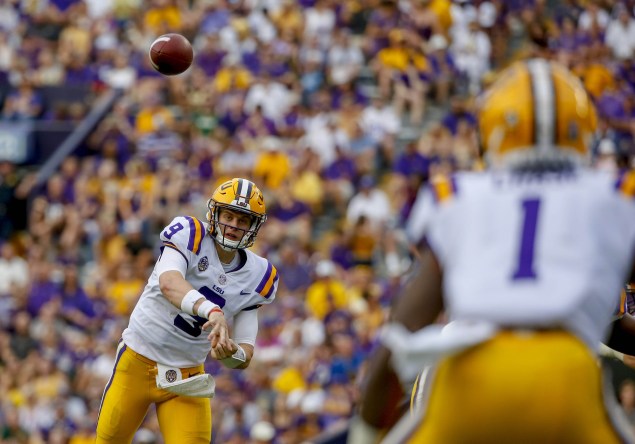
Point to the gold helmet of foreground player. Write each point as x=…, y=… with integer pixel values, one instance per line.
x=536, y=110
x=239, y=195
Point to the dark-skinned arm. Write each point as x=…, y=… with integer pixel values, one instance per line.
x=622, y=336
x=418, y=305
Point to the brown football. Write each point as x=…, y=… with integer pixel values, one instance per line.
x=171, y=54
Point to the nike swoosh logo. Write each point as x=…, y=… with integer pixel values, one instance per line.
x=244, y=292
x=194, y=374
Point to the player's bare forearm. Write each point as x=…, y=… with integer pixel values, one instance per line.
x=417, y=306
x=622, y=336
x=421, y=302
x=174, y=287
x=382, y=392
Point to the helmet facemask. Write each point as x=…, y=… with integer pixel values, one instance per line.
x=218, y=229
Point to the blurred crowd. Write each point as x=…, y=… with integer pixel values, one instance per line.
x=339, y=111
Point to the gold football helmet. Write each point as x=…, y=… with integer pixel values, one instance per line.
x=239, y=195
x=536, y=110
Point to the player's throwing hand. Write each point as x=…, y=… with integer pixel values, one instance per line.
x=219, y=352
x=219, y=334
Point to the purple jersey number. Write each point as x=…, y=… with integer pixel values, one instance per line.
x=525, y=265
x=172, y=230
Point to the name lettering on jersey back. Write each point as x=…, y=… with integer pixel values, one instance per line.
x=217, y=289
x=521, y=179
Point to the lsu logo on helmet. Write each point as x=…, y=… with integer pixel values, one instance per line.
x=536, y=110
x=240, y=195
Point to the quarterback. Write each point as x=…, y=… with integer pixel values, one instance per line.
x=527, y=260
x=204, y=277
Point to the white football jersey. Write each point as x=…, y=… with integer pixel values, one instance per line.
x=531, y=251
x=162, y=332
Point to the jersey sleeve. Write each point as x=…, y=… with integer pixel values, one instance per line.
x=171, y=260
x=268, y=283
x=246, y=327
x=184, y=234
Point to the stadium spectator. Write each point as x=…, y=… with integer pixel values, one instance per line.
x=23, y=104
x=319, y=21
x=262, y=432
x=307, y=185
x=444, y=73
x=472, y=50
x=14, y=270
x=620, y=33
x=370, y=202
x=626, y=396
x=272, y=97
x=327, y=293
x=345, y=59
x=49, y=71
x=289, y=216
x=210, y=55
x=121, y=74
x=273, y=165
x=380, y=121
x=232, y=76
x=593, y=16
x=163, y=15
x=412, y=84
x=295, y=273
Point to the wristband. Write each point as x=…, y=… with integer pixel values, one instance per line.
x=235, y=360
x=206, y=308
x=189, y=300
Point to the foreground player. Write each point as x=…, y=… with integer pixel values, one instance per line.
x=527, y=260
x=204, y=276
x=621, y=344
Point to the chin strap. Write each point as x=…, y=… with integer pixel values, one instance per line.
x=226, y=248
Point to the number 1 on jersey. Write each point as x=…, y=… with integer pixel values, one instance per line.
x=525, y=264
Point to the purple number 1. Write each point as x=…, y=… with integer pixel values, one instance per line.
x=525, y=266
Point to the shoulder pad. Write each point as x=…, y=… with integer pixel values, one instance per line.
x=184, y=233
x=625, y=183
x=443, y=188
x=268, y=283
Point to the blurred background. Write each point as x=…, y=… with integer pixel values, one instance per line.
x=338, y=110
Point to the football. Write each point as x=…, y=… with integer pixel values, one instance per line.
x=171, y=54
